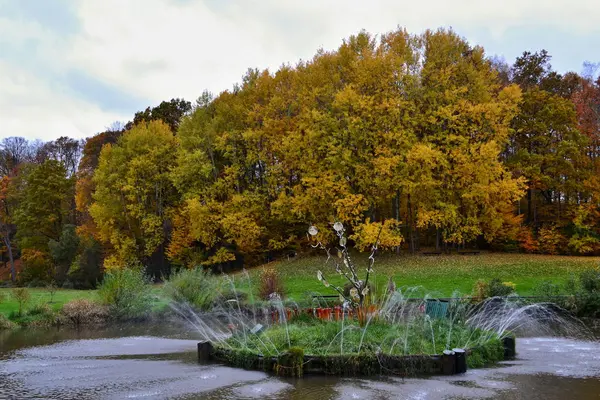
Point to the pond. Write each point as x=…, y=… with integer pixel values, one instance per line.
x=159, y=362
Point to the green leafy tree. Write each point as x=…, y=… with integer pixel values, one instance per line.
x=170, y=112
x=546, y=150
x=87, y=267
x=64, y=252
x=22, y=296
x=7, y=227
x=44, y=204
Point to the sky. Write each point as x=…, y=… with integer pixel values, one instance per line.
x=73, y=67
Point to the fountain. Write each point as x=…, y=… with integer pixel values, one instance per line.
x=398, y=333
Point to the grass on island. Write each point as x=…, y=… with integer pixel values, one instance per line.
x=318, y=337
x=440, y=276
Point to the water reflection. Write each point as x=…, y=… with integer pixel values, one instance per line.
x=160, y=362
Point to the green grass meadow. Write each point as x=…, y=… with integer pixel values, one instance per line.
x=438, y=275
x=42, y=296
x=62, y=296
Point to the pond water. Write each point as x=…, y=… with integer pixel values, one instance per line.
x=159, y=362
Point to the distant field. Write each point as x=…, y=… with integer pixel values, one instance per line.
x=439, y=275
x=42, y=296
x=7, y=304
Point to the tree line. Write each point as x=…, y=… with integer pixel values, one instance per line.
x=418, y=140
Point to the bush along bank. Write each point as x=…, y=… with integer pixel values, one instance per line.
x=124, y=295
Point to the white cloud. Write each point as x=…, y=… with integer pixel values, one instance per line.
x=36, y=109
x=32, y=105
x=194, y=47
x=159, y=49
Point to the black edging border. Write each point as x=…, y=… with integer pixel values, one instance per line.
x=287, y=364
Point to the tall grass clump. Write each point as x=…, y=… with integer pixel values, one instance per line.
x=270, y=282
x=127, y=293
x=197, y=287
x=6, y=323
x=84, y=311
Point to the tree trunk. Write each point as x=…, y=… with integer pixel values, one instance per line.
x=397, y=209
x=411, y=234
x=212, y=161
x=13, y=273
x=529, y=208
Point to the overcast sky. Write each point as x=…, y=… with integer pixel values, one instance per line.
x=72, y=67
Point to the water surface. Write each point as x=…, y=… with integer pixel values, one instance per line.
x=159, y=362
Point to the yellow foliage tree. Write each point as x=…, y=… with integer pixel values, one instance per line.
x=134, y=195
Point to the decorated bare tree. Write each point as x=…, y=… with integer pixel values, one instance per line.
x=346, y=267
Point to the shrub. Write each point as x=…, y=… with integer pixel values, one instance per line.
x=587, y=298
x=588, y=305
x=37, y=268
x=551, y=241
x=499, y=288
x=36, y=283
x=494, y=288
x=84, y=311
x=481, y=290
x=21, y=296
x=40, y=315
x=583, y=293
x=571, y=284
x=68, y=285
x=196, y=287
x=486, y=354
x=583, y=244
x=527, y=241
x=547, y=290
x=270, y=282
x=40, y=309
x=590, y=280
x=52, y=288
x=127, y=293
x=5, y=323
x=231, y=293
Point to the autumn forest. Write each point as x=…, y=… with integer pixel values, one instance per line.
x=423, y=141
